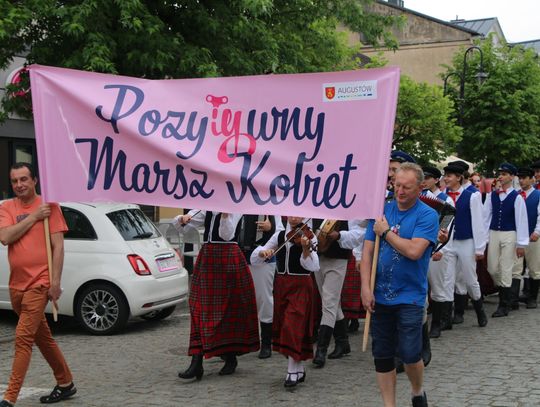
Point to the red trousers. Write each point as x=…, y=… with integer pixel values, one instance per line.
x=33, y=328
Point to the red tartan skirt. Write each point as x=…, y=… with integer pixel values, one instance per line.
x=292, y=326
x=222, y=303
x=351, y=300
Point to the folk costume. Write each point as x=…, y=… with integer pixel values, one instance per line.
x=330, y=279
x=263, y=274
x=468, y=239
x=506, y=217
x=532, y=252
x=222, y=296
x=351, y=299
x=292, y=325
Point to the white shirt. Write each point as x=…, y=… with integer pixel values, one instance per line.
x=520, y=213
x=479, y=230
x=227, y=226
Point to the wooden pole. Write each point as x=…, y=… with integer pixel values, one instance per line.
x=49, y=261
x=374, y=262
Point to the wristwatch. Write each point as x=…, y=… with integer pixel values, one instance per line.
x=383, y=236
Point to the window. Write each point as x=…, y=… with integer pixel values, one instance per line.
x=133, y=224
x=79, y=226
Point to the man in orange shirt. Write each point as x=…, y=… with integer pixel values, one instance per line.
x=22, y=230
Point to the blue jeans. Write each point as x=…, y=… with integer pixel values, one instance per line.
x=397, y=327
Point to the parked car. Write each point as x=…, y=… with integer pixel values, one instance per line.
x=117, y=264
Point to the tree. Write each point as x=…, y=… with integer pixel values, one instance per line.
x=158, y=39
x=424, y=123
x=501, y=117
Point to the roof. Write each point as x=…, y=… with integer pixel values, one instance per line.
x=534, y=44
x=436, y=20
x=482, y=25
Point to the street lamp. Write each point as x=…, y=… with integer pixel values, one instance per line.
x=481, y=76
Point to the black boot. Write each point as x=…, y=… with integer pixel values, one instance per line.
x=480, y=313
x=341, y=339
x=459, y=308
x=230, y=364
x=446, y=316
x=436, y=316
x=426, y=344
x=533, y=293
x=266, y=340
x=516, y=285
x=195, y=369
x=354, y=325
x=504, y=302
x=325, y=333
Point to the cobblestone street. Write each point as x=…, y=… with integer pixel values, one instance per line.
x=493, y=366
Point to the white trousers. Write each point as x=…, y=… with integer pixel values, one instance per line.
x=532, y=257
x=501, y=256
x=330, y=282
x=263, y=280
x=441, y=279
x=462, y=265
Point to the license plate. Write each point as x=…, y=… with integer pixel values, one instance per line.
x=167, y=264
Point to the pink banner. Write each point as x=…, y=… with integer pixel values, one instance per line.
x=312, y=145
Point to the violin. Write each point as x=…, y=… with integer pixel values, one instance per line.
x=295, y=234
x=327, y=227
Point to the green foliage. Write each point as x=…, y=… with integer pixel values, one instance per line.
x=501, y=117
x=424, y=124
x=188, y=38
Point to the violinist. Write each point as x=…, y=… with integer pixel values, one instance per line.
x=292, y=325
x=335, y=249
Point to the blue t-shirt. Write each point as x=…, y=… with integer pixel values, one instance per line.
x=401, y=280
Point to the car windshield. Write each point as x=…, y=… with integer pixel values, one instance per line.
x=133, y=224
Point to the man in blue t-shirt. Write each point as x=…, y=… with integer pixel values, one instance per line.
x=408, y=231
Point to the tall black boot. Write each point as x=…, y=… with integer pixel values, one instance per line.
x=504, y=306
x=266, y=340
x=341, y=339
x=325, y=333
x=533, y=293
x=354, y=325
x=195, y=369
x=516, y=285
x=230, y=364
x=480, y=313
x=426, y=344
x=446, y=316
x=436, y=316
x=459, y=308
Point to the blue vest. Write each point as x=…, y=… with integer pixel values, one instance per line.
x=472, y=188
x=503, y=216
x=442, y=196
x=463, y=221
x=532, y=209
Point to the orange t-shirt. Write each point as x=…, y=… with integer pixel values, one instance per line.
x=28, y=255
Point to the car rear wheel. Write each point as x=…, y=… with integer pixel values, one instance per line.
x=101, y=309
x=160, y=314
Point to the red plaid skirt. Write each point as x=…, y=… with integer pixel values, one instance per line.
x=222, y=303
x=292, y=326
x=351, y=300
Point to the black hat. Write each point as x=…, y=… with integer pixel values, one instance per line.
x=432, y=172
x=507, y=167
x=460, y=163
x=454, y=169
x=401, y=157
x=535, y=165
x=525, y=172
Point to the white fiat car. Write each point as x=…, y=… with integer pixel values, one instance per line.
x=117, y=264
